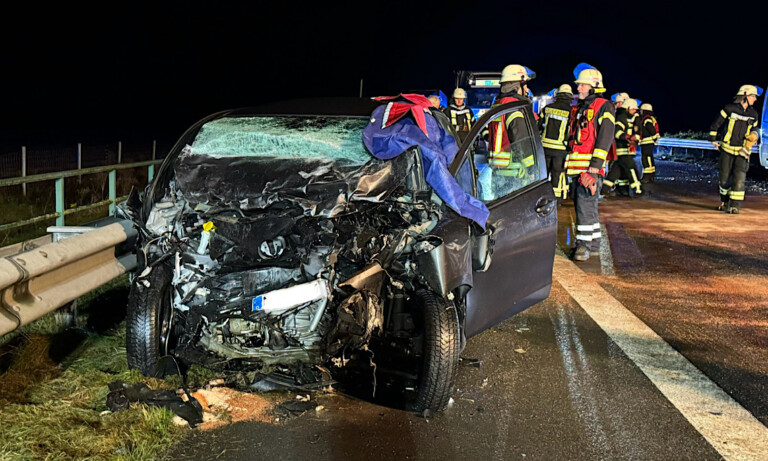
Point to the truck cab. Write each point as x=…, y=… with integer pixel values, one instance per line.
x=483, y=87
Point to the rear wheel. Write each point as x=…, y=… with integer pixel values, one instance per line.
x=148, y=323
x=440, y=353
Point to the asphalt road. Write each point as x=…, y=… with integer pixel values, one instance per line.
x=552, y=384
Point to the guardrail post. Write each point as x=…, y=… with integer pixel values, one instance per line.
x=60, y=202
x=151, y=168
x=24, y=168
x=119, y=151
x=79, y=159
x=112, y=191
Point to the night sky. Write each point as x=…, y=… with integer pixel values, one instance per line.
x=133, y=70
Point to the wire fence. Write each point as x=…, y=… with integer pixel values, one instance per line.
x=25, y=162
x=24, y=202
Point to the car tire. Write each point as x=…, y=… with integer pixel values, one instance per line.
x=440, y=353
x=148, y=309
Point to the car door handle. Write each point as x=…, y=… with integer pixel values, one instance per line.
x=545, y=206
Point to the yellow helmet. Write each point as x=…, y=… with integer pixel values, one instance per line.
x=630, y=103
x=747, y=90
x=459, y=93
x=588, y=75
x=646, y=106
x=517, y=73
x=564, y=88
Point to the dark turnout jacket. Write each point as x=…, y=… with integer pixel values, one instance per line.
x=732, y=125
x=554, y=123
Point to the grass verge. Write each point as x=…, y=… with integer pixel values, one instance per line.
x=53, y=391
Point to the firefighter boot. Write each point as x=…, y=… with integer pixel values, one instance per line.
x=581, y=253
x=723, y=207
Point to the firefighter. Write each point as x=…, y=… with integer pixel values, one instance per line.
x=460, y=114
x=554, y=125
x=585, y=164
x=649, y=136
x=730, y=139
x=505, y=130
x=622, y=172
x=618, y=100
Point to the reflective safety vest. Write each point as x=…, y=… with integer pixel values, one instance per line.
x=461, y=119
x=555, y=118
x=649, y=120
x=500, y=146
x=585, y=138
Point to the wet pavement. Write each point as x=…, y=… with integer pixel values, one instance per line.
x=551, y=384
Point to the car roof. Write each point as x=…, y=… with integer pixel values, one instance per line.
x=338, y=106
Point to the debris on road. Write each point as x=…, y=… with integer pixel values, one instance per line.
x=477, y=363
x=121, y=396
x=520, y=351
x=293, y=408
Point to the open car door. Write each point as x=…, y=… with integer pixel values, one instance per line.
x=511, y=179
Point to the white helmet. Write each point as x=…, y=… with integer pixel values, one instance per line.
x=620, y=97
x=646, y=106
x=747, y=90
x=459, y=93
x=564, y=88
x=517, y=73
x=588, y=75
x=630, y=104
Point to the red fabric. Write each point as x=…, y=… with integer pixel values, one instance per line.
x=416, y=106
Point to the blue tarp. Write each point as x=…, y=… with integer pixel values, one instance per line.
x=437, y=150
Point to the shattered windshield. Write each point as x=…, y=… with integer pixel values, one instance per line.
x=333, y=138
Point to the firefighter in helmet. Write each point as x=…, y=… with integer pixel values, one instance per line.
x=509, y=128
x=462, y=117
x=593, y=132
x=554, y=122
x=649, y=137
x=622, y=173
x=734, y=140
x=618, y=100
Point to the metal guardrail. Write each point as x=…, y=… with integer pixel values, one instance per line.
x=691, y=144
x=59, y=178
x=38, y=281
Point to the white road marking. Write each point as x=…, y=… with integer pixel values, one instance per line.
x=606, y=257
x=727, y=426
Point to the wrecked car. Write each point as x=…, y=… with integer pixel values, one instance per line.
x=272, y=237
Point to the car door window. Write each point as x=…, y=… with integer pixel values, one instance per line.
x=505, y=155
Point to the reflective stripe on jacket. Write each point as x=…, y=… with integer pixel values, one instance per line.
x=740, y=122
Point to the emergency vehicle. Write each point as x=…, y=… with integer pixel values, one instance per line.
x=764, y=135
x=482, y=88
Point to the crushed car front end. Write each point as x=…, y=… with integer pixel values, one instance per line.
x=280, y=241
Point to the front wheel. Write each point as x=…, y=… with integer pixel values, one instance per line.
x=148, y=323
x=440, y=353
